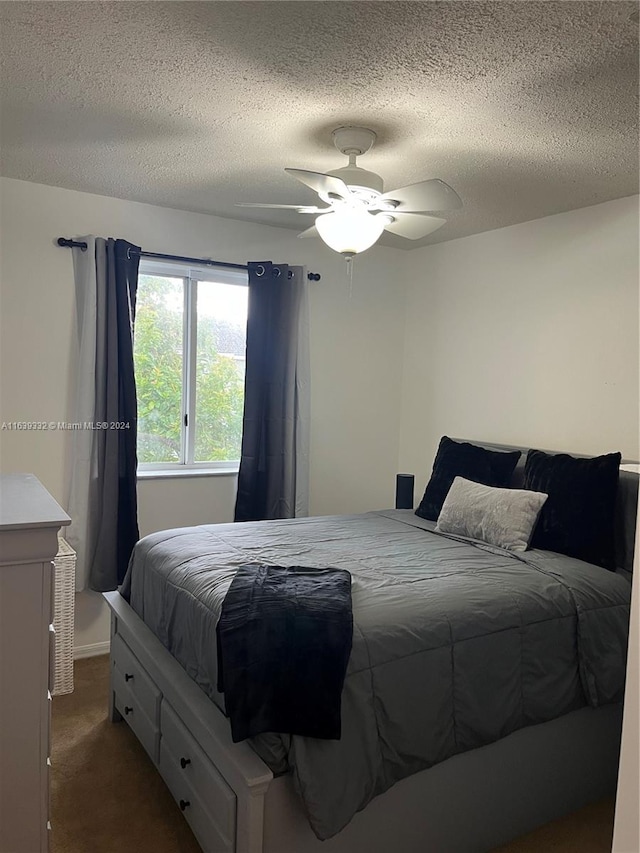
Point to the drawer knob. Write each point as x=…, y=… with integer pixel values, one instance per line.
x=184, y=762
x=184, y=804
x=127, y=710
x=128, y=676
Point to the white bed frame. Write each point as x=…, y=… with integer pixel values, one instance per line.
x=468, y=804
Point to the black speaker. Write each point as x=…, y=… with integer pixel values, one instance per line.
x=404, y=491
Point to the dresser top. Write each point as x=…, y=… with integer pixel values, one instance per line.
x=25, y=503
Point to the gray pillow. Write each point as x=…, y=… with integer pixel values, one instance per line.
x=502, y=517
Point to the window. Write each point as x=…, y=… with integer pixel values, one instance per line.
x=189, y=357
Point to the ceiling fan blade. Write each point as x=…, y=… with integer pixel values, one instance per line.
x=301, y=208
x=321, y=183
x=414, y=225
x=309, y=232
x=424, y=196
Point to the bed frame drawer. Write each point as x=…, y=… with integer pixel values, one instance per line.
x=128, y=705
x=185, y=767
x=195, y=813
x=139, y=685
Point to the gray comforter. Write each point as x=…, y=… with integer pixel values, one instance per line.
x=456, y=644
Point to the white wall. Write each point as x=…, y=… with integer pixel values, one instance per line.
x=526, y=335
x=356, y=350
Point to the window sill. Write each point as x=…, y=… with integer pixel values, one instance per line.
x=186, y=472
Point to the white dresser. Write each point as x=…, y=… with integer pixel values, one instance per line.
x=29, y=522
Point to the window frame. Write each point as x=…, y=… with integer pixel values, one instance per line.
x=191, y=275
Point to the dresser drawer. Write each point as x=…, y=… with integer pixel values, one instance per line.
x=46, y=729
x=48, y=810
x=52, y=657
x=185, y=767
x=137, y=681
x=128, y=704
x=52, y=591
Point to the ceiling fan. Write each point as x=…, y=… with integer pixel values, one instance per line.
x=357, y=209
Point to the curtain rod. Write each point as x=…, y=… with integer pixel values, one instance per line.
x=76, y=244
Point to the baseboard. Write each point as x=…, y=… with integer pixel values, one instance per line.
x=91, y=650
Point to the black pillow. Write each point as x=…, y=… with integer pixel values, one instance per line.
x=578, y=516
x=461, y=459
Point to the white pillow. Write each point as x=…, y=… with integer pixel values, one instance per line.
x=502, y=517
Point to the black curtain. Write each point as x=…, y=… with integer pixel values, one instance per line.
x=116, y=414
x=267, y=475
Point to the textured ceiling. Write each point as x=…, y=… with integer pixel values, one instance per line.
x=525, y=108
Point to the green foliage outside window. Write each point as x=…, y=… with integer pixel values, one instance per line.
x=219, y=398
x=158, y=353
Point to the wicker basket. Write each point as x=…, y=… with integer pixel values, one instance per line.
x=65, y=587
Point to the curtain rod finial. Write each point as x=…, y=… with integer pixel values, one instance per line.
x=71, y=244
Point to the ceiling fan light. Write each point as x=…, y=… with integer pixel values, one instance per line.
x=350, y=231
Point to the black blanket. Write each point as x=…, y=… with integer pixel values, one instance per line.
x=284, y=640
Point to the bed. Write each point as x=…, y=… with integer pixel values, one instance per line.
x=482, y=696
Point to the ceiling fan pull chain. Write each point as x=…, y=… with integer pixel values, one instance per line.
x=349, y=270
